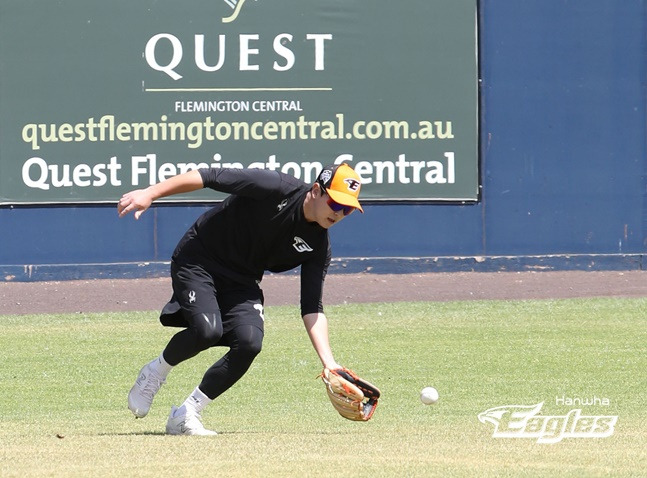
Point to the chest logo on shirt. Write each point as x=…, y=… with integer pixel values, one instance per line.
x=300, y=245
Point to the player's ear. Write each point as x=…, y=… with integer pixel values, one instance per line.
x=317, y=190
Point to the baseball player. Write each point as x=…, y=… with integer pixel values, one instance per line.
x=270, y=222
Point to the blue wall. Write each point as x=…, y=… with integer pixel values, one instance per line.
x=564, y=126
x=563, y=164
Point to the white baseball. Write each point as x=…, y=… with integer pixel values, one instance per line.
x=429, y=395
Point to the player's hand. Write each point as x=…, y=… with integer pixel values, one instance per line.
x=332, y=365
x=138, y=201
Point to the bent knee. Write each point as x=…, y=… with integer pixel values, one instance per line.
x=251, y=349
x=207, y=329
x=249, y=344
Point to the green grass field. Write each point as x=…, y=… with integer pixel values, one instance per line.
x=64, y=381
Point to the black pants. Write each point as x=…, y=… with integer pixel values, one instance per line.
x=214, y=312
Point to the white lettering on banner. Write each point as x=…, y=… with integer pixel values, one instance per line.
x=249, y=47
x=236, y=106
x=286, y=53
x=403, y=171
x=277, y=105
x=37, y=174
x=146, y=170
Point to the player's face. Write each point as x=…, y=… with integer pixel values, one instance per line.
x=328, y=212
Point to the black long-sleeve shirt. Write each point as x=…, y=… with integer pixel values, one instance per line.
x=259, y=227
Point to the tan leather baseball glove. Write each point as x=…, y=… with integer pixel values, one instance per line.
x=353, y=397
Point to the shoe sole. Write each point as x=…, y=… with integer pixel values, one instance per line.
x=192, y=434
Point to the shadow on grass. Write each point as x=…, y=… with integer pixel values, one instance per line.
x=227, y=432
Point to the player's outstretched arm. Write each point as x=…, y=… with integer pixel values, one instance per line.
x=140, y=200
x=317, y=327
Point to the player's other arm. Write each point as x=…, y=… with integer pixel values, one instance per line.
x=140, y=200
x=317, y=327
x=313, y=273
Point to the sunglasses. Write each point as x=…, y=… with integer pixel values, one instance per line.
x=336, y=207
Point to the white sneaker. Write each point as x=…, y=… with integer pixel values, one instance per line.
x=184, y=422
x=141, y=395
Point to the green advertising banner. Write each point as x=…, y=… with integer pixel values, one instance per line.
x=101, y=97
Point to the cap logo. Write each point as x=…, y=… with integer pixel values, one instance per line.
x=326, y=174
x=353, y=184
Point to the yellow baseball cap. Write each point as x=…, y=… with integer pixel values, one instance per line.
x=342, y=184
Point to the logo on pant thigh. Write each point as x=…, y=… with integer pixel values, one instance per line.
x=259, y=307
